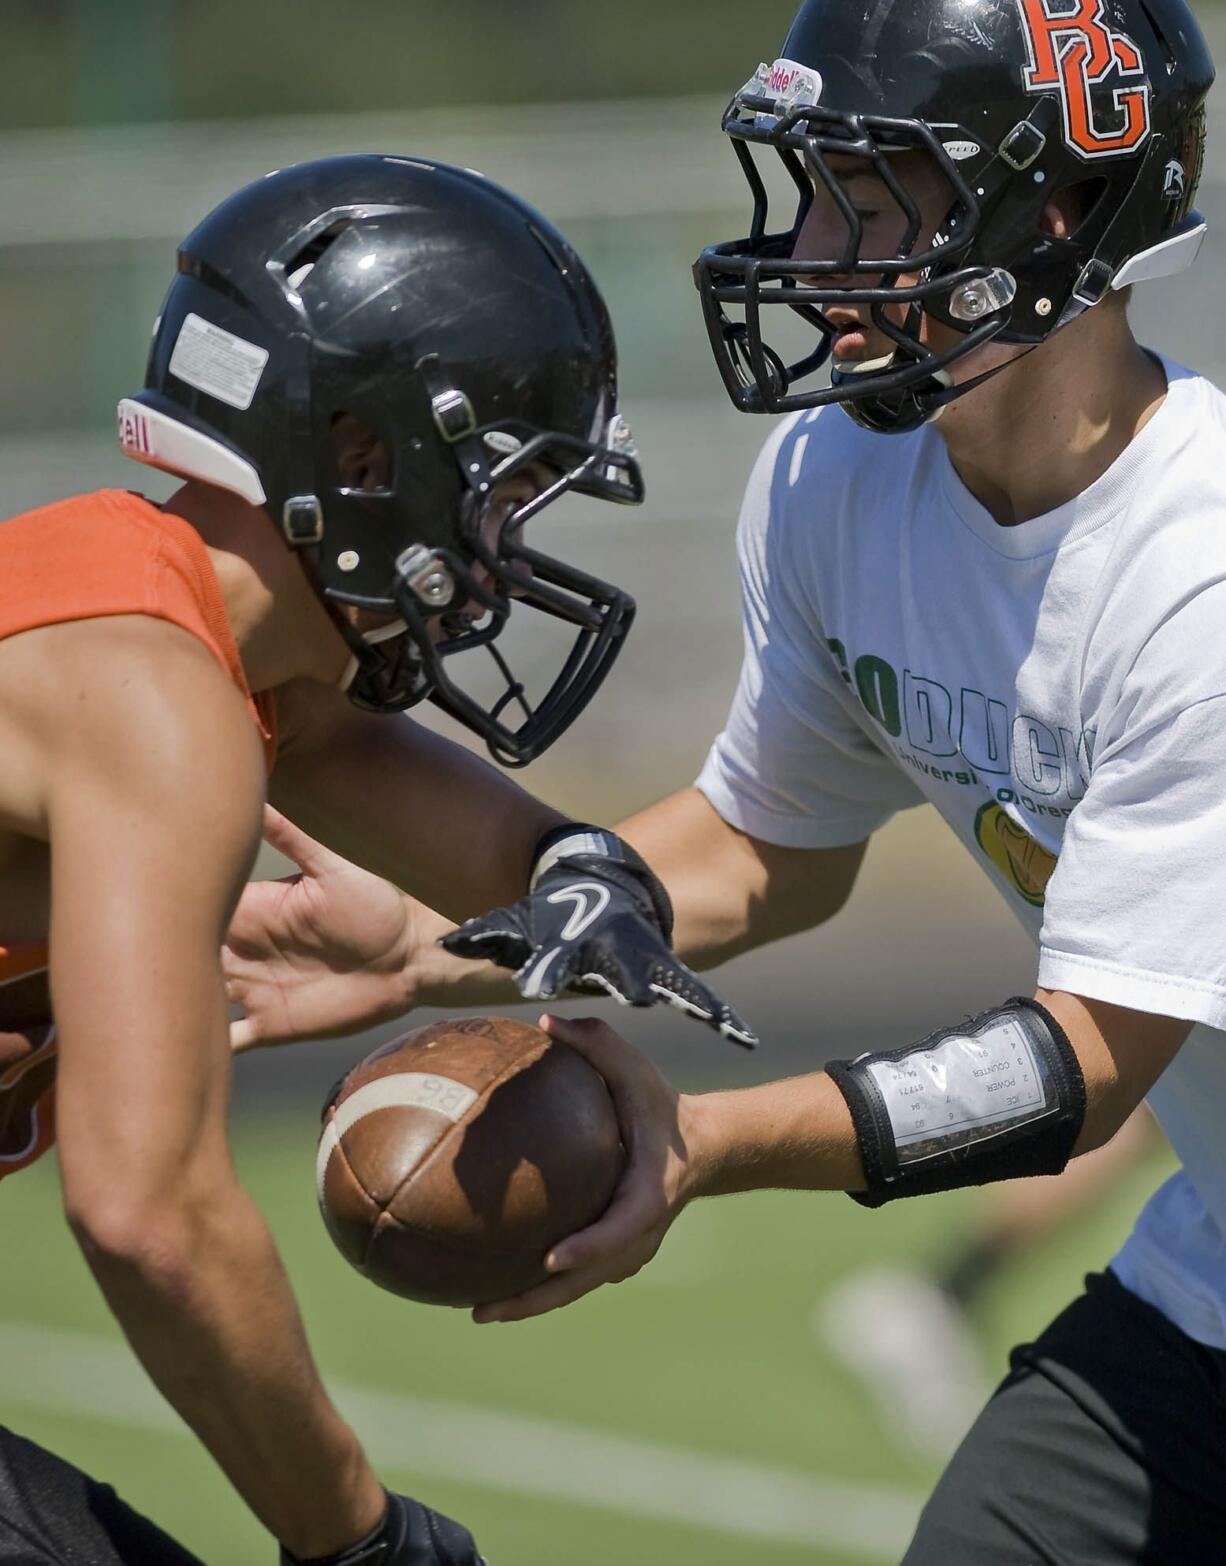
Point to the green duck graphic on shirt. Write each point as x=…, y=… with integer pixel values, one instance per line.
x=1027, y=865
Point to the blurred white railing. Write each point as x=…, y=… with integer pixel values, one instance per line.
x=631, y=158
x=624, y=158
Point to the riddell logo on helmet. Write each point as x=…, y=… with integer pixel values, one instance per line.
x=783, y=78
x=790, y=83
x=134, y=432
x=1079, y=55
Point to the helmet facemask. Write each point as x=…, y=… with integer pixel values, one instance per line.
x=455, y=597
x=926, y=277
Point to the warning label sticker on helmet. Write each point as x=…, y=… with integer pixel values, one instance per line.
x=215, y=361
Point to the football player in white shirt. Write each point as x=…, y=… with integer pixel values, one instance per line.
x=1000, y=586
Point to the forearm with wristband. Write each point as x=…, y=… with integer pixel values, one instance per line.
x=596, y=920
x=1000, y=1097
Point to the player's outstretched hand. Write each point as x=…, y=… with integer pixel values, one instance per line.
x=409, y=1535
x=659, y=1178
x=323, y=952
x=597, y=921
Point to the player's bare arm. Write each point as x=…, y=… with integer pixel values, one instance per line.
x=445, y=825
x=149, y=785
x=335, y=950
x=338, y=949
x=732, y=891
x=797, y=1134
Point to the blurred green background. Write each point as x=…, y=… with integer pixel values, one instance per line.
x=89, y=61
x=694, y=1415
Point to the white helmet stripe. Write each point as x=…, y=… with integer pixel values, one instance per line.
x=152, y=437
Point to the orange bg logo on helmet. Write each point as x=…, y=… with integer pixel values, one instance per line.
x=1074, y=51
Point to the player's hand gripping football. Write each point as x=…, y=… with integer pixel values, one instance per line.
x=597, y=920
x=409, y=1535
x=667, y=1165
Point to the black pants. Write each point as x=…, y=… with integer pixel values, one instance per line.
x=1105, y=1446
x=50, y=1512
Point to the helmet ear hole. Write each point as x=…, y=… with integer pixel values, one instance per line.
x=362, y=457
x=1070, y=209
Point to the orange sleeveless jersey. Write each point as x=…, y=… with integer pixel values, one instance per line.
x=108, y=553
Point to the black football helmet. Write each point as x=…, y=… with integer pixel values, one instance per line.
x=461, y=328
x=1014, y=101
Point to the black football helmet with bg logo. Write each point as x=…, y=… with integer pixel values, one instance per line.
x=460, y=328
x=1015, y=101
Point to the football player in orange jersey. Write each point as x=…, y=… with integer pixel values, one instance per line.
x=371, y=372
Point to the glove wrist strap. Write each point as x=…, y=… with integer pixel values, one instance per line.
x=573, y=837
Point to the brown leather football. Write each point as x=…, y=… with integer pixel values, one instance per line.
x=451, y=1160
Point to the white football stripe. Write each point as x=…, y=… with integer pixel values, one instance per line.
x=328, y=1144
x=403, y=1090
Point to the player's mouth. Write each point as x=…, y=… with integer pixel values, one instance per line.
x=851, y=340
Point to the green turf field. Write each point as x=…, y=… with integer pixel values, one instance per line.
x=685, y=1418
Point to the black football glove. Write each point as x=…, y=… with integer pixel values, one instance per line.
x=597, y=920
x=409, y=1535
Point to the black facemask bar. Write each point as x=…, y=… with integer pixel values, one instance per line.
x=757, y=272
x=442, y=589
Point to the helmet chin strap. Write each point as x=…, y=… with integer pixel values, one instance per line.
x=357, y=641
x=922, y=403
x=940, y=400
x=385, y=633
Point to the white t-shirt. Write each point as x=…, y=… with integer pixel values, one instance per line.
x=1058, y=691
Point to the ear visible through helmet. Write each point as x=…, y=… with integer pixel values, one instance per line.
x=437, y=312
x=1031, y=100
